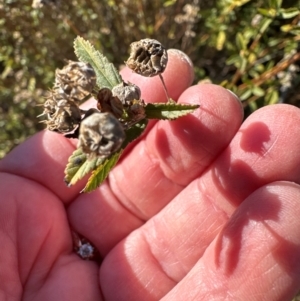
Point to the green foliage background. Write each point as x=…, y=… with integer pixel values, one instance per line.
x=251, y=47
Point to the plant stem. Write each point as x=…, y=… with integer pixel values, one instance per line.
x=165, y=88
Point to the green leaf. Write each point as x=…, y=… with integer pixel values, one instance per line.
x=75, y=161
x=240, y=41
x=295, y=31
x=275, y=4
x=257, y=91
x=253, y=73
x=289, y=12
x=168, y=110
x=233, y=59
x=287, y=27
x=169, y=3
x=243, y=64
x=78, y=166
x=245, y=95
x=270, y=13
x=221, y=38
x=107, y=74
x=253, y=106
x=272, y=98
x=240, y=2
x=278, y=3
x=252, y=58
x=101, y=172
x=265, y=24
x=272, y=4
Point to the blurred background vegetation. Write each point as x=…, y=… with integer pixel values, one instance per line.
x=250, y=47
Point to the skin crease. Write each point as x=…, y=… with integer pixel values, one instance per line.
x=202, y=208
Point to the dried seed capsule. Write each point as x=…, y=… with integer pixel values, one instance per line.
x=109, y=103
x=130, y=94
x=52, y=100
x=136, y=112
x=77, y=79
x=147, y=57
x=62, y=113
x=101, y=134
x=126, y=92
x=66, y=117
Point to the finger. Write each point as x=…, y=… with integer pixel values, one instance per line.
x=158, y=168
x=43, y=157
x=256, y=256
x=264, y=150
x=184, y=228
x=36, y=258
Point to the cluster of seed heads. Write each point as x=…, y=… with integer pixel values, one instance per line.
x=101, y=131
x=72, y=84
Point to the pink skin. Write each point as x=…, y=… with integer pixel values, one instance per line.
x=201, y=208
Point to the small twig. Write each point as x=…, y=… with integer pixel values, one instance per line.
x=165, y=88
x=275, y=70
x=72, y=26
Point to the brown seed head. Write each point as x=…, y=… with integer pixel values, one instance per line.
x=63, y=114
x=147, y=57
x=109, y=103
x=130, y=96
x=101, y=134
x=77, y=79
x=127, y=93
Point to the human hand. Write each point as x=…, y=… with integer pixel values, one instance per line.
x=200, y=208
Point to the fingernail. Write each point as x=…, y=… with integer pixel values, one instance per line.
x=237, y=98
x=233, y=94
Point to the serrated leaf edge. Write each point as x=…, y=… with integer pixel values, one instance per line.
x=84, y=169
x=69, y=170
x=169, y=108
x=95, y=64
x=113, y=160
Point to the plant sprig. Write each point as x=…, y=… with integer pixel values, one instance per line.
x=121, y=115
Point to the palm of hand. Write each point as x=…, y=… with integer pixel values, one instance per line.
x=158, y=221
